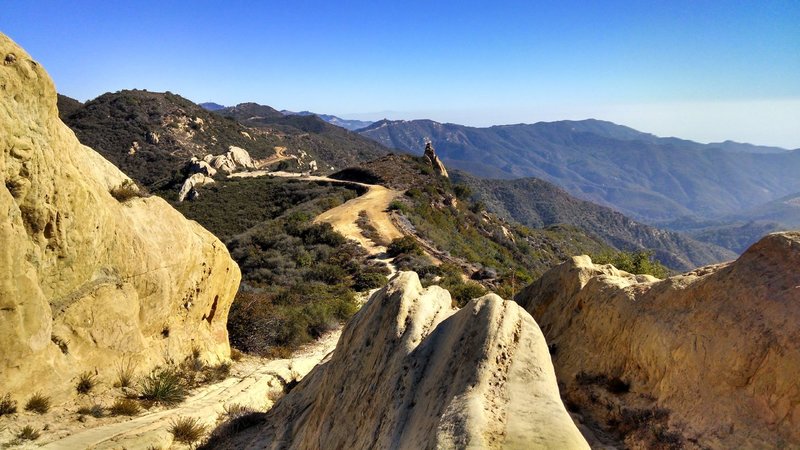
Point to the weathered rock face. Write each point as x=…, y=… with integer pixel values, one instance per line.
x=235, y=157
x=410, y=372
x=434, y=160
x=709, y=358
x=86, y=279
x=188, y=190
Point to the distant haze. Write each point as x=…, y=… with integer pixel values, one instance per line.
x=765, y=122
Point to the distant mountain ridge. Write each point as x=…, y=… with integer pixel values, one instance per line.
x=348, y=124
x=538, y=203
x=643, y=176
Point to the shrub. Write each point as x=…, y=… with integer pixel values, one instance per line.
x=38, y=403
x=126, y=191
x=640, y=262
x=187, y=430
x=397, y=205
x=462, y=191
x=28, y=433
x=164, y=386
x=126, y=373
x=62, y=344
x=234, y=410
x=86, y=382
x=464, y=292
x=95, y=410
x=7, y=405
x=124, y=407
x=404, y=245
x=368, y=280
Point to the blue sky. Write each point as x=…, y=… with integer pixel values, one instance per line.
x=703, y=70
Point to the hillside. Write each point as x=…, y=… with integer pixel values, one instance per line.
x=538, y=204
x=460, y=233
x=645, y=177
x=151, y=135
x=331, y=145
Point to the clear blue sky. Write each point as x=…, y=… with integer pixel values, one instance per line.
x=704, y=70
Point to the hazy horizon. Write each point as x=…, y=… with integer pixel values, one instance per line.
x=708, y=72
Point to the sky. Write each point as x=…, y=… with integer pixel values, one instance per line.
x=702, y=70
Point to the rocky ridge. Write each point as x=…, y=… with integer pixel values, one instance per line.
x=92, y=271
x=707, y=359
x=411, y=372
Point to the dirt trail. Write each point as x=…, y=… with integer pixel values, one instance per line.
x=252, y=380
x=343, y=218
x=375, y=202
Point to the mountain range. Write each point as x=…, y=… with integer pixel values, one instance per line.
x=117, y=123
x=537, y=203
x=643, y=176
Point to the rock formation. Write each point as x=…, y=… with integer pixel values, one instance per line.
x=90, y=272
x=706, y=359
x=235, y=157
x=411, y=372
x=188, y=190
x=434, y=160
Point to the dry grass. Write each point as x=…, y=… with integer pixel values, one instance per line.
x=163, y=385
x=187, y=430
x=38, y=403
x=86, y=382
x=28, y=433
x=126, y=373
x=7, y=405
x=124, y=407
x=95, y=410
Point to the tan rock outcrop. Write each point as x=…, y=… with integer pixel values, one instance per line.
x=411, y=372
x=188, y=188
x=434, y=161
x=86, y=279
x=705, y=359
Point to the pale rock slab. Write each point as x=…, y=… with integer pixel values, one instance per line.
x=109, y=280
x=716, y=347
x=410, y=372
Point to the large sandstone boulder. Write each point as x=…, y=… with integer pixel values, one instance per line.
x=705, y=359
x=88, y=278
x=411, y=372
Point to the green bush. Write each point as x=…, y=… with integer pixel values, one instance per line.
x=640, y=262
x=405, y=245
x=463, y=292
